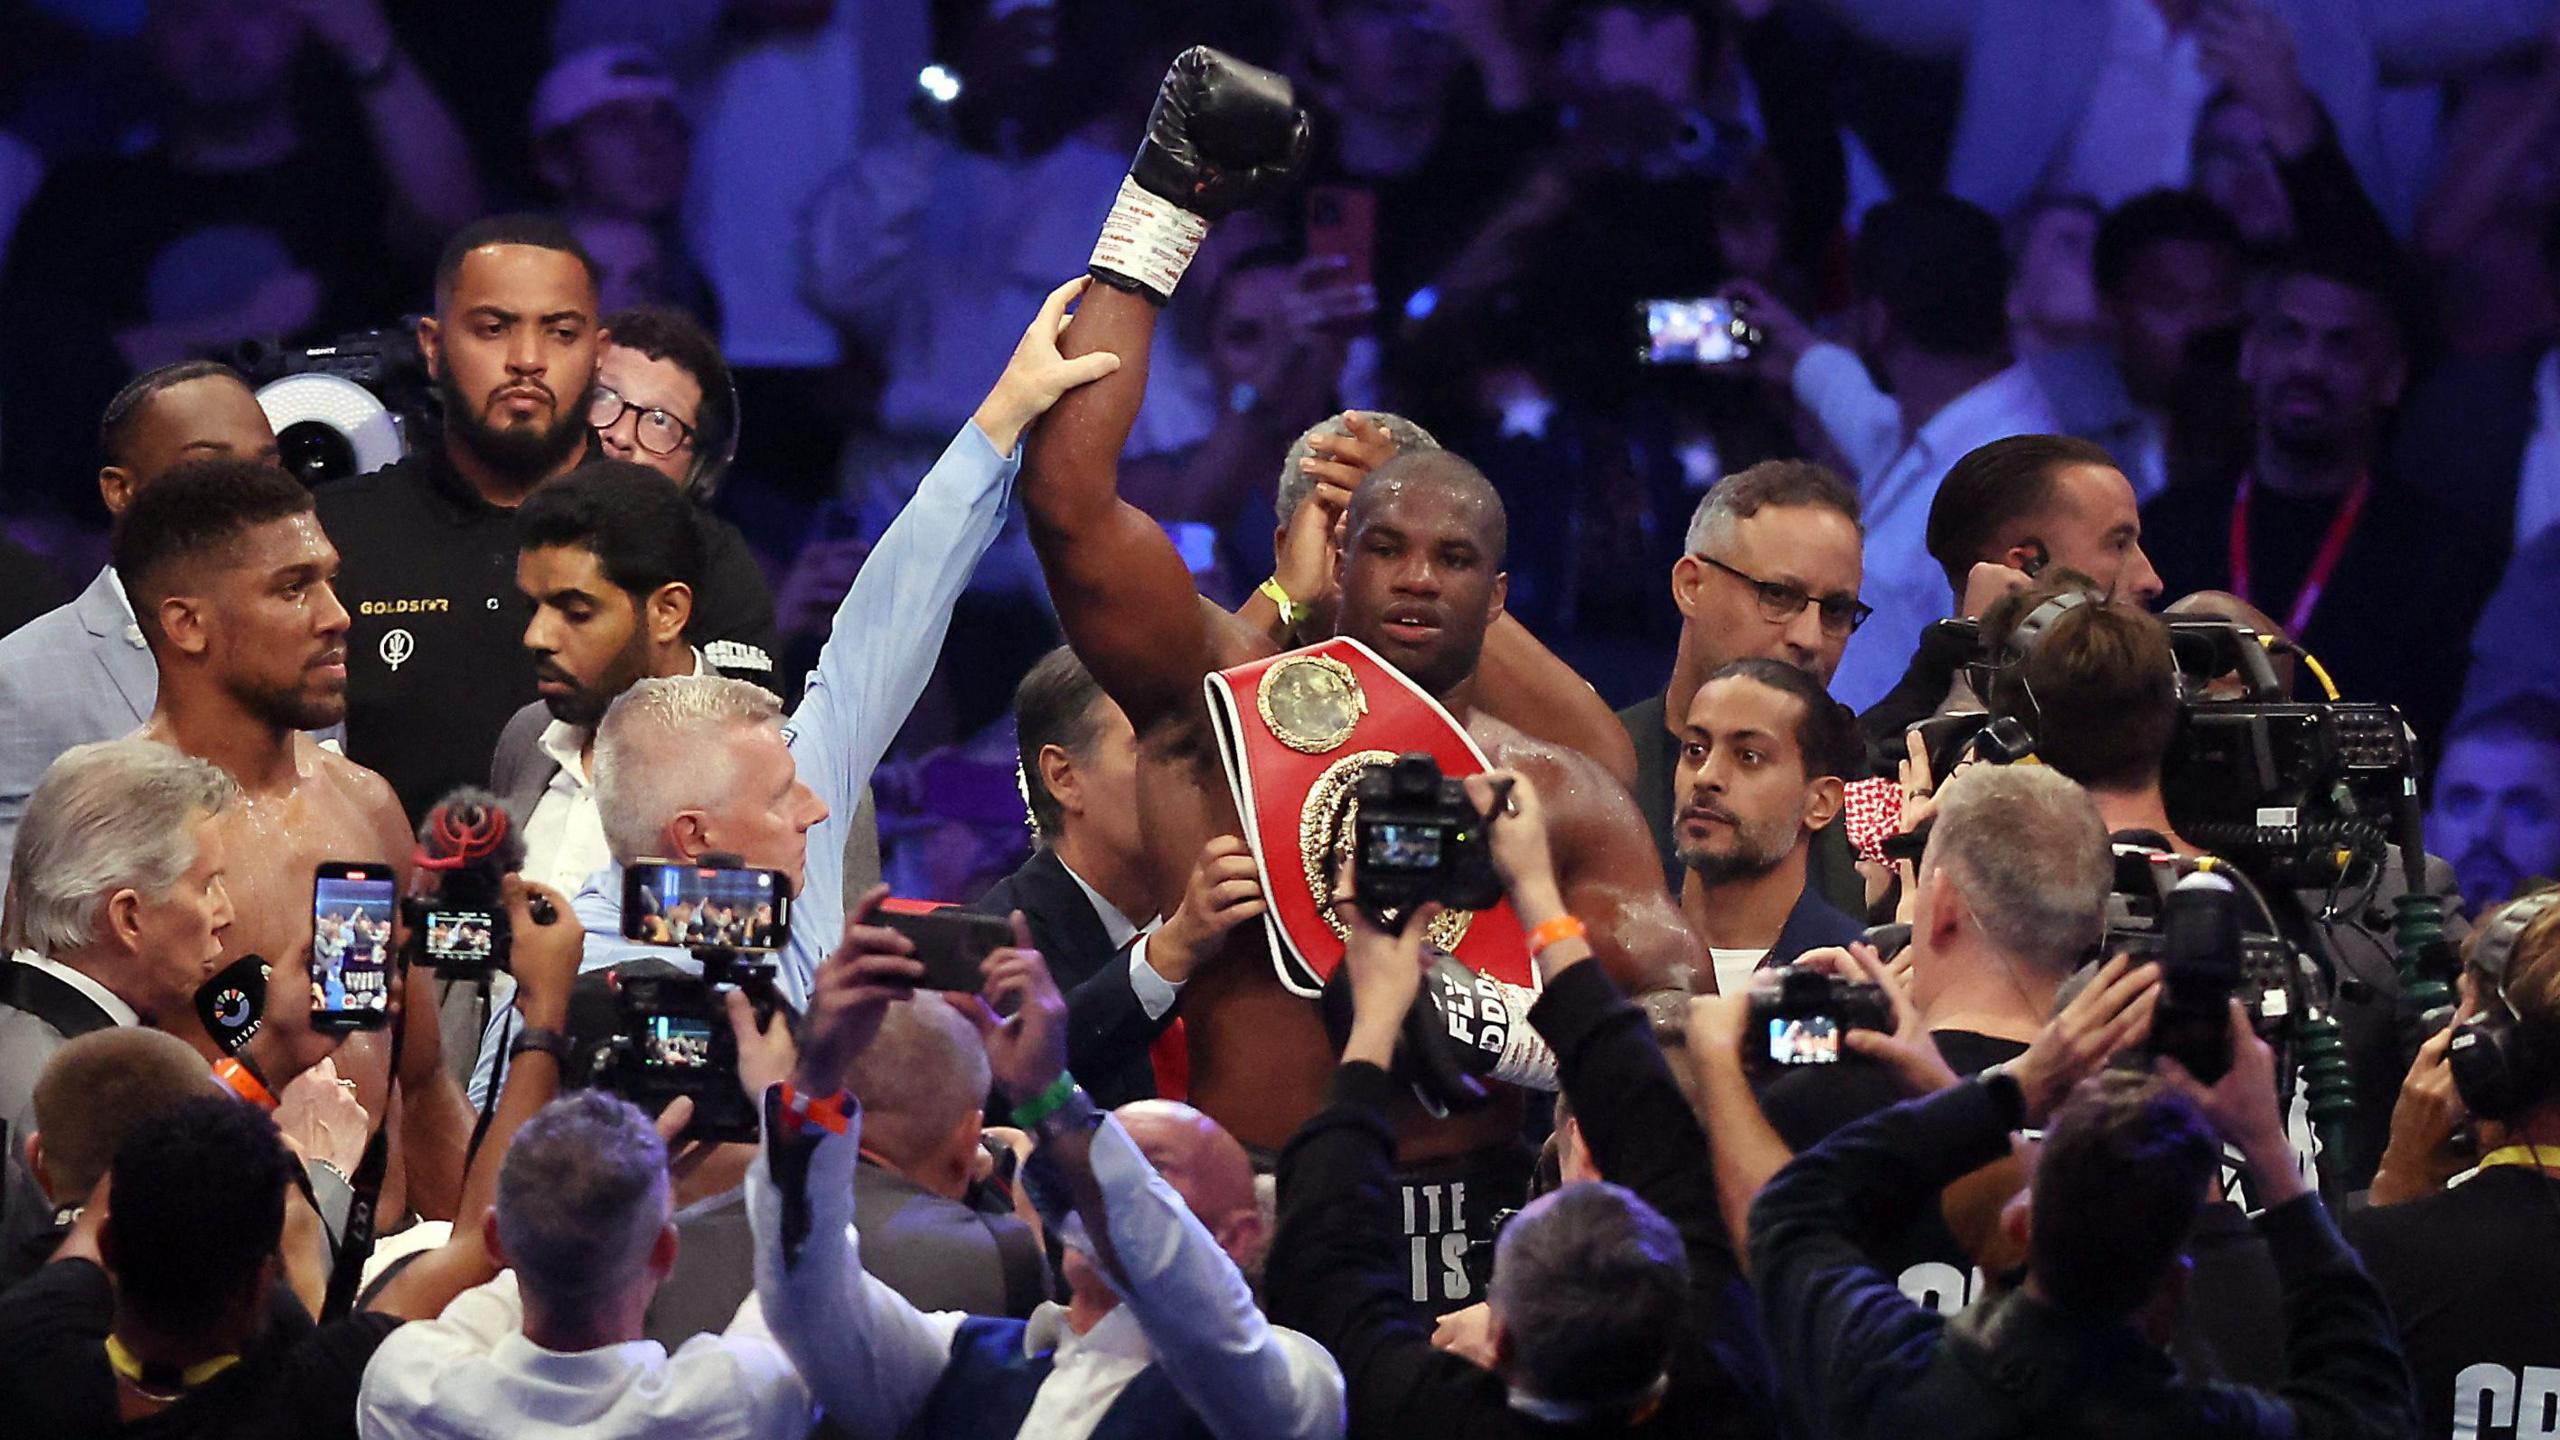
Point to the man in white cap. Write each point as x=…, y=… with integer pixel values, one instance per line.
x=613, y=145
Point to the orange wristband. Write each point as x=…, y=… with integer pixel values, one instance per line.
x=237, y=1078
x=1562, y=927
x=815, y=1113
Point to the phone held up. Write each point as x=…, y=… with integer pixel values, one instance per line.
x=352, y=905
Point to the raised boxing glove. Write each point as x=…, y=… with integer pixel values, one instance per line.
x=1223, y=135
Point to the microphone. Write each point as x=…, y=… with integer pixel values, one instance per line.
x=470, y=825
x=233, y=1002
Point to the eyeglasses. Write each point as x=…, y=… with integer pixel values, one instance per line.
x=659, y=431
x=1841, y=614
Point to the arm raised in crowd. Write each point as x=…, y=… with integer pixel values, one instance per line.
x=434, y=190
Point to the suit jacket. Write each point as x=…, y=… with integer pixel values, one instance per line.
x=1108, y=1031
x=520, y=770
x=2030, y=64
x=70, y=676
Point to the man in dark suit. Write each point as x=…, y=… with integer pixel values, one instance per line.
x=1084, y=888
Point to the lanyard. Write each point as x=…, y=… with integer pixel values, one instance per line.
x=2323, y=564
x=2525, y=1155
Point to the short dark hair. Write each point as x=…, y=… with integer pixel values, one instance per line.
x=1054, y=705
x=1938, y=266
x=194, y=510
x=2116, y=1191
x=2152, y=218
x=125, y=411
x=1783, y=483
x=634, y=520
x=2381, y=275
x=672, y=335
x=1826, y=730
x=2099, y=688
x=542, y=232
x=199, y=1208
x=1993, y=485
x=2525, y=715
x=96, y=1090
x=1591, y=1284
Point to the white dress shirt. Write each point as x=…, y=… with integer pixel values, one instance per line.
x=564, y=837
x=96, y=994
x=872, y=1359
x=471, y=1372
x=1156, y=994
x=1897, y=480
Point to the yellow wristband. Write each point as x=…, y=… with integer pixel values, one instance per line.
x=1291, y=612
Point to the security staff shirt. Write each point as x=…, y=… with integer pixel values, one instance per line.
x=436, y=662
x=2470, y=1274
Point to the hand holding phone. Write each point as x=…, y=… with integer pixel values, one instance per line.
x=952, y=945
x=352, y=904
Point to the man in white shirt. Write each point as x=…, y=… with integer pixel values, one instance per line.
x=1161, y=1334
x=553, y=1346
x=1931, y=377
x=610, y=560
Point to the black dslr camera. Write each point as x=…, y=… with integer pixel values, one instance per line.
x=671, y=1037
x=1802, y=1020
x=1418, y=838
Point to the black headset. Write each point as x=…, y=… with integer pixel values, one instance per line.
x=712, y=462
x=2497, y=1068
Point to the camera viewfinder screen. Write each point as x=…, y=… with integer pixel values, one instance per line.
x=1402, y=847
x=460, y=935
x=676, y=1042
x=351, y=943
x=1804, y=1040
x=701, y=907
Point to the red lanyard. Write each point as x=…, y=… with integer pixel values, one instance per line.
x=2341, y=530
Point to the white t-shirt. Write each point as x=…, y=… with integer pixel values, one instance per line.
x=1734, y=967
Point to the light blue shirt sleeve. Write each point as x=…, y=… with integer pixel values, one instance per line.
x=879, y=654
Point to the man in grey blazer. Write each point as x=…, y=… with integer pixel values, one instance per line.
x=81, y=672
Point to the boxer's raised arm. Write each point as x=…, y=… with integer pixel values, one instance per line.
x=1223, y=134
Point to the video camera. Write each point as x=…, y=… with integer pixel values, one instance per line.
x=457, y=917
x=671, y=1032
x=1419, y=839
x=1802, y=1019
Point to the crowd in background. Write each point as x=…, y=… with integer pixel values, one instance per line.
x=862, y=197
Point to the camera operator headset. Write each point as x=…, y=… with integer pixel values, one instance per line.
x=2499, y=1067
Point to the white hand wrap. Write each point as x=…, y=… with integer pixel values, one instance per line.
x=1148, y=239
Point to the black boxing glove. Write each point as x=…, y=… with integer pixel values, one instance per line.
x=1223, y=135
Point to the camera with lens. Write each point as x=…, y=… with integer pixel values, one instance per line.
x=671, y=1037
x=1419, y=839
x=1802, y=1019
x=354, y=405
x=2213, y=946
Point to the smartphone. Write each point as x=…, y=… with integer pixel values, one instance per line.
x=1706, y=331
x=951, y=943
x=352, y=904
x=1342, y=224
x=1804, y=1040
x=706, y=907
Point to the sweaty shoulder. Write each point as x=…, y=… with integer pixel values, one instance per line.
x=361, y=787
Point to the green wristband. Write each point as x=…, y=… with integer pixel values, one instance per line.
x=1045, y=1104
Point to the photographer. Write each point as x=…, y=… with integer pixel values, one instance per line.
x=2469, y=1269
x=2127, y=1162
x=2011, y=894
x=1617, y=1308
x=2098, y=691
x=1160, y=1334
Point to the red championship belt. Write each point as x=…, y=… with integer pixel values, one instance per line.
x=1296, y=732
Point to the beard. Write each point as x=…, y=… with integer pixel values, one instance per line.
x=585, y=705
x=525, y=453
x=1758, y=846
x=291, y=707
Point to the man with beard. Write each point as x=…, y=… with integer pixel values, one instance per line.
x=230, y=577
x=1762, y=753
x=1420, y=581
x=609, y=561
x=2497, y=810
x=2358, y=564
x=434, y=662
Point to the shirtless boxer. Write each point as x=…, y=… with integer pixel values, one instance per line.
x=1420, y=583
x=229, y=573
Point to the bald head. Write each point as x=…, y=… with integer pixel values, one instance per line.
x=92, y=1094
x=1443, y=482
x=1206, y=1167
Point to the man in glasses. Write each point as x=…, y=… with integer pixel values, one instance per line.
x=1771, y=572
x=435, y=667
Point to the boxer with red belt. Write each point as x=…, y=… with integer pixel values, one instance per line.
x=1420, y=584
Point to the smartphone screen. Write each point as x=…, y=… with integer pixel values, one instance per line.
x=1394, y=846
x=1691, y=332
x=676, y=1042
x=664, y=903
x=351, y=910
x=1342, y=224
x=1804, y=1040
x=951, y=944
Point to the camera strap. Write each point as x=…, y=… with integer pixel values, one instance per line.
x=2324, y=562
x=355, y=1246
